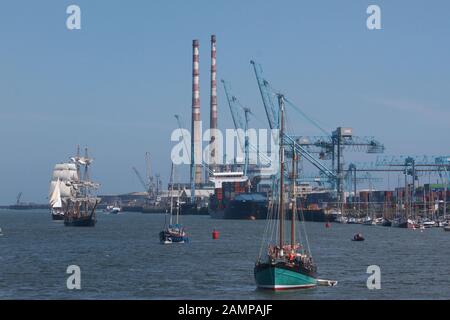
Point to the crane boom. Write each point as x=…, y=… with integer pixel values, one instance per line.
x=272, y=117
x=141, y=180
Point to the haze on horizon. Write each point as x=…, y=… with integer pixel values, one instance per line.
x=116, y=84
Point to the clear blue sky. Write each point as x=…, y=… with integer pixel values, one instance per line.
x=116, y=84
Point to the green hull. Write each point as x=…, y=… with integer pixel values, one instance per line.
x=277, y=278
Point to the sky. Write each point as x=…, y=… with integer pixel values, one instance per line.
x=116, y=84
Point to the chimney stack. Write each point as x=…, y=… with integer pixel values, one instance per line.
x=196, y=146
x=213, y=103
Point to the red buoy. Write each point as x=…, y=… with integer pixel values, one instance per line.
x=327, y=225
x=215, y=234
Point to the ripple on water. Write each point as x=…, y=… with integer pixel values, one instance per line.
x=121, y=258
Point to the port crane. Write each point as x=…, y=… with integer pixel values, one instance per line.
x=240, y=124
x=241, y=118
x=19, y=196
x=148, y=184
x=411, y=167
x=330, y=146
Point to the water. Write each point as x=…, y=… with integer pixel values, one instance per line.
x=121, y=258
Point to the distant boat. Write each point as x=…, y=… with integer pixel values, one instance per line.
x=113, y=209
x=428, y=223
x=173, y=232
x=286, y=265
x=233, y=198
x=341, y=219
x=71, y=195
x=386, y=223
x=400, y=222
x=358, y=237
x=352, y=221
x=116, y=210
x=440, y=224
x=368, y=221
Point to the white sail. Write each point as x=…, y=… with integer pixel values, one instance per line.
x=55, y=199
x=65, y=189
x=65, y=172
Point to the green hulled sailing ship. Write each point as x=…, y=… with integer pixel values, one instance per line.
x=286, y=264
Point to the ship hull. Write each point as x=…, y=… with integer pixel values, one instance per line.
x=404, y=224
x=386, y=223
x=241, y=210
x=58, y=217
x=259, y=212
x=277, y=278
x=80, y=222
x=168, y=238
x=193, y=210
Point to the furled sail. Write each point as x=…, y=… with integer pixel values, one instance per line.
x=55, y=199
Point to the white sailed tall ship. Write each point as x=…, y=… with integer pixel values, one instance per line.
x=62, y=188
x=71, y=192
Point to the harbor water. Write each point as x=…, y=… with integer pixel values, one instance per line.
x=121, y=258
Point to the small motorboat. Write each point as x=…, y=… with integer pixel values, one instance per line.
x=428, y=223
x=358, y=237
x=113, y=209
x=341, y=219
x=367, y=221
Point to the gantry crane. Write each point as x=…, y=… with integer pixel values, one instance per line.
x=330, y=146
x=240, y=124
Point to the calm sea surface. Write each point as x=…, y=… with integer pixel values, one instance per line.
x=121, y=258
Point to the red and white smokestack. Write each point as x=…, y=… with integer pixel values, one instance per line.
x=196, y=125
x=213, y=105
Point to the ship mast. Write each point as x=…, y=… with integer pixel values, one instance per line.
x=281, y=204
x=294, y=194
x=171, y=194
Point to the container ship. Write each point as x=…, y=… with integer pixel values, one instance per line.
x=233, y=198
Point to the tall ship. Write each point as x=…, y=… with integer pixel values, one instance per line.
x=233, y=198
x=62, y=188
x=286, y=264
x=72, y=197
